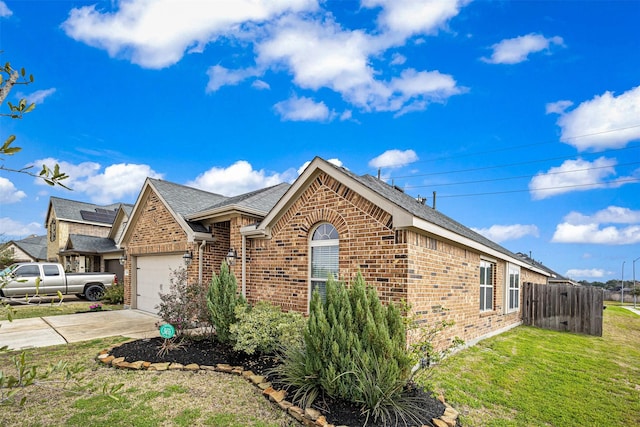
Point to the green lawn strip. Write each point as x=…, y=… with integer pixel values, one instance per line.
x=147, y=398
x=530, y=376
x=52, y=309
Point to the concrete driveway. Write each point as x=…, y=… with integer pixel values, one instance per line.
x=54, y=330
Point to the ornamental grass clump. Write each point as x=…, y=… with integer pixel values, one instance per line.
x=354, y=349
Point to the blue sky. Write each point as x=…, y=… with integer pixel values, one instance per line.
x=523, y=116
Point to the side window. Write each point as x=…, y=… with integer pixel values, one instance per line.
x=513, y=291
x=486, y=286
x=51, y=270
x=27, y=271
x=324, y=247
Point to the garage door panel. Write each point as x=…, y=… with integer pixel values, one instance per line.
x=154, y=277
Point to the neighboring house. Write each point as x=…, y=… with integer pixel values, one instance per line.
x=284, y=241
x=81, y=235
x=30, y=249
x=554, y=278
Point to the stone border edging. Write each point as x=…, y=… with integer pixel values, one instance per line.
x=309, y=417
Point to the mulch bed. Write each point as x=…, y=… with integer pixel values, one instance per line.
x=208, y=352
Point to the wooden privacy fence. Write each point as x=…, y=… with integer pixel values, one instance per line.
x=563, y=308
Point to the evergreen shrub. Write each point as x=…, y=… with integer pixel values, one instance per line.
x=354, y=348
x=222, y=300
x=264, y=328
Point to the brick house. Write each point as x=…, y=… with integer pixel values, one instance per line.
x=81, y=235
x=284, y=241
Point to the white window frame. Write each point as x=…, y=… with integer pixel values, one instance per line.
x=512, y=288
x=317, y=244
x=487, y=282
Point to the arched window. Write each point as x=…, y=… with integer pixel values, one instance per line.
x=324, y=257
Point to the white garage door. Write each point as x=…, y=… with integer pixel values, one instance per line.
x=153, y=275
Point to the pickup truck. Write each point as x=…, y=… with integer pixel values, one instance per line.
x=47, y=278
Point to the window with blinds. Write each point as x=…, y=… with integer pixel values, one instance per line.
x=324, y=257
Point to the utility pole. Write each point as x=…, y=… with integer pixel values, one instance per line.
x=635, y=296
x=622, y=288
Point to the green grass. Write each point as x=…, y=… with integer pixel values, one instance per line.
x=171, y=398
x=535, y=377
x=43, y=309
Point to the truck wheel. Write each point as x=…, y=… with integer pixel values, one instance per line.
x=93, y=293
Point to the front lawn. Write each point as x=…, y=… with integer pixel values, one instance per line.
x=535, y=377
x=37, y=308
x=171, y=398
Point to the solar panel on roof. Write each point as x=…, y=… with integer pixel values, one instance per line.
x=106, y=217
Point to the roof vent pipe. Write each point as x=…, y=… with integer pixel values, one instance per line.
x=434, y=200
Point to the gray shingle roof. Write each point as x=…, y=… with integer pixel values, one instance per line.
x=262, y=200
x=185, y=200
x=90, y=244
x=35, y=246
x=423, y=212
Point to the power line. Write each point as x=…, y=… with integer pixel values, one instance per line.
x=517, y=147
x=509, y=164
x=594, y=184
x=514, y=177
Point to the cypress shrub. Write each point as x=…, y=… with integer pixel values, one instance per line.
x=222, y=299
x=354, y=349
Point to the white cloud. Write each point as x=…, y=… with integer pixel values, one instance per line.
x=398, y=59
x=573, y=175
x=260, y=85
x=580, y=228
x=116, y=182
x=220, y=76
x=410, y=17
x=38, y=96
x=604, y=122
x=9, y=193
x=294, y=36
x=303, y=109
x=513, y=51
x=238, y=178
x=558, y=107
x=4, y=10
x=336, y=162
x=593, y=273
x=156, y=34
x=10, y=227
x=501, y=233
x=611, y=215
x=393, y=159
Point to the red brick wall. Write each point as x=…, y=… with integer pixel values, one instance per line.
x=278, y=270
x=156, y=232
x=439, y=279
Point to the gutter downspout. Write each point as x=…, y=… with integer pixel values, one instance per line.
x=200, y=257
x=244, y=266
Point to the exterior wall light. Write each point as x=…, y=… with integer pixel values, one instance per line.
x=231, y=257
x=187, y=258
x=123, y=259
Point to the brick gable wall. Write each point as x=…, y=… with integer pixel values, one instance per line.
x=278, y=269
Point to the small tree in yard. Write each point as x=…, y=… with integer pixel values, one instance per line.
x=222, y=300
x=185, y=305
